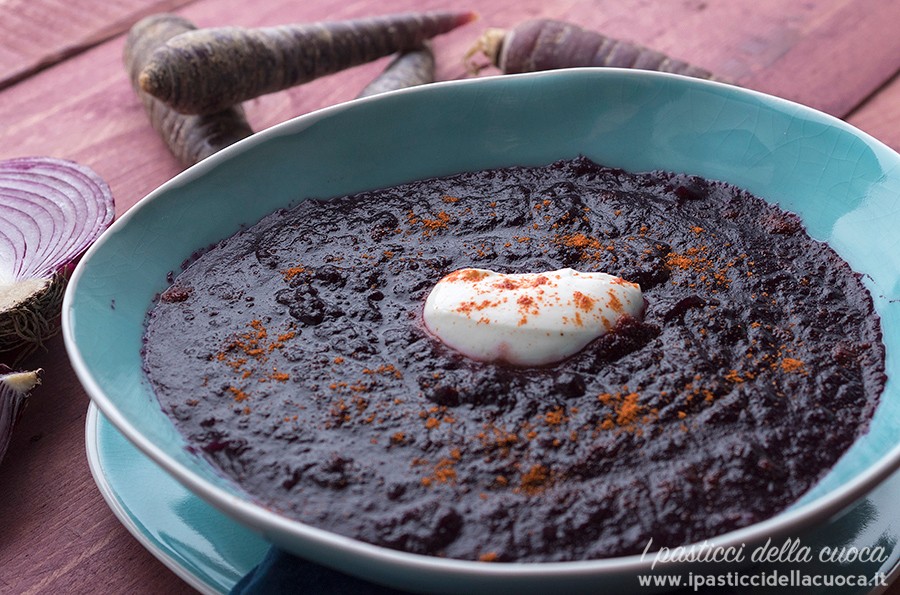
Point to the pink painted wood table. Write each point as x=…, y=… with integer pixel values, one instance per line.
x=65, y=93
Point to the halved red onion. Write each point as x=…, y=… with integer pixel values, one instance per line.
x=15, y=387
x=51, y=210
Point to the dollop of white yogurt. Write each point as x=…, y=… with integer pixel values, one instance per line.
x=527, y=319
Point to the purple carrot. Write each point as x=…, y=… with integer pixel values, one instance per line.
x=189, y=138
x=208, y=70
x=408, y=69
x=545, y=44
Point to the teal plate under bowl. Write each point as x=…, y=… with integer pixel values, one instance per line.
x=204, y=547
x=211, y=552
x=844, y=184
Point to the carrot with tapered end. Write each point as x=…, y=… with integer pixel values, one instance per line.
x=207, y=70
x=408, y=69
x=546, y=44
x=190, y=138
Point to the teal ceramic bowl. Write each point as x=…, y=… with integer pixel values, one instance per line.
x=844, y=184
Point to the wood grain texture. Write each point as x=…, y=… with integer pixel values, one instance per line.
x=56, y=533
x=35, y=34
x=834, y=70
x=880, y=114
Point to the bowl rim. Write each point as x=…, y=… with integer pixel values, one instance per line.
x=271, y=523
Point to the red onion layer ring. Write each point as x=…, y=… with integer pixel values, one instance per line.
x=51, y=210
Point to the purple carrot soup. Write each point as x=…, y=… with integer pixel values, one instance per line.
x=719, y=362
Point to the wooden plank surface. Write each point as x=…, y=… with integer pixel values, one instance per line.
x=827, y=54
x=35, y=34
x=56, y=533
x=84, y=109
x=835, y=73
x=880, y=114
